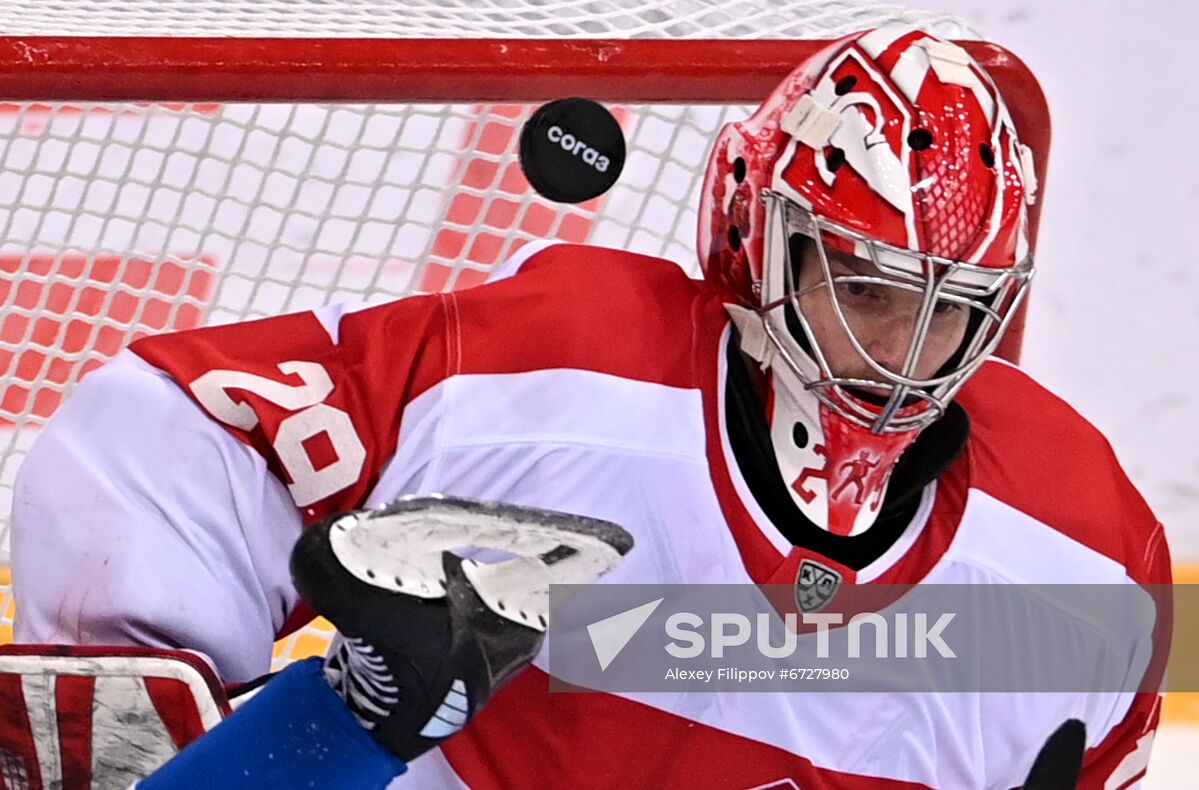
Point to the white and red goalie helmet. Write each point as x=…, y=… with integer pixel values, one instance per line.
x=895, y=147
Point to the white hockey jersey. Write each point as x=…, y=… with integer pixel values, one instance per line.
x=591, y=381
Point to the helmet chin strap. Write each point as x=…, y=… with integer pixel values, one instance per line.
x=836, y=471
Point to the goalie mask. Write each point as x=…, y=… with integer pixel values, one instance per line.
x=871, y=220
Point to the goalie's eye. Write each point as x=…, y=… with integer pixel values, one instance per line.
x=859, y=295
x=944, y=308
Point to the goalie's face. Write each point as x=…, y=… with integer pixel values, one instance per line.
x=881, y=335
x=879, y=313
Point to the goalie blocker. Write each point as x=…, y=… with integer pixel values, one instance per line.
x=425, y=637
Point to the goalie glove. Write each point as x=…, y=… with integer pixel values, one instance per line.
x=426, y=637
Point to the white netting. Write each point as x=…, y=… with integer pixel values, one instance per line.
x=464, y=18
x=122, y=220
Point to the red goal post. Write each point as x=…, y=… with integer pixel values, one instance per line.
x=120, y=157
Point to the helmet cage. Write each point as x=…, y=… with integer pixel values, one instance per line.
x=990, y=295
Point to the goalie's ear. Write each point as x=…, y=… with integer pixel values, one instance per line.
x=63, y=706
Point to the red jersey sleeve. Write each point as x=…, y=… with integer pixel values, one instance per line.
x=320, y=395
x=320, y=400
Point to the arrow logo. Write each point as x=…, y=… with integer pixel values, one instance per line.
x=610, y=635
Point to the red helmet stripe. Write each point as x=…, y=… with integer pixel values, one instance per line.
x=889, y=57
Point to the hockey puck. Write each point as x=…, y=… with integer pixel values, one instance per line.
x=571, y=150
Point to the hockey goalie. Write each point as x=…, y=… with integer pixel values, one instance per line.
x=824, y=397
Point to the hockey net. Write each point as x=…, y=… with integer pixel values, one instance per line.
x=210, y=161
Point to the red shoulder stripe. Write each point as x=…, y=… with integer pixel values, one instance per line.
x=580, y=307
x=1030, y=449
